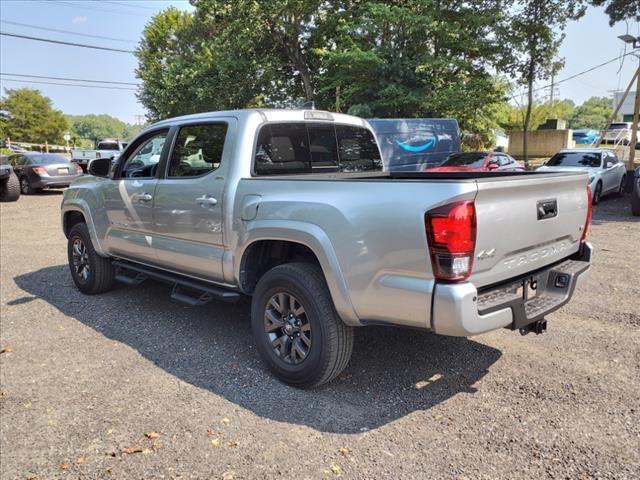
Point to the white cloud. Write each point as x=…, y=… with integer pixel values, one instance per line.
x=79, y=19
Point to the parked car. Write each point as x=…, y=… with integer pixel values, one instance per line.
x=479, y=162
x=635, y=195
x=104, y=149
x=413, y=144
x=292, y=208
x=585, y=136
x=606, y=173
x=43, y=170
x=9, y=183
x=619, y=132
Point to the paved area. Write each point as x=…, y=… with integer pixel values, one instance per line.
x=130, y=384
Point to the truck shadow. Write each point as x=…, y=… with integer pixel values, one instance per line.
x=393, y=372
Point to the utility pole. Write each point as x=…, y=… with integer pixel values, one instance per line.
x=553, y=86
x=634, y=126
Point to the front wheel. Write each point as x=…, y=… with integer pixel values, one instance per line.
x=90, y=272
x=597, y=194
x=297, y=330
x=622, y=184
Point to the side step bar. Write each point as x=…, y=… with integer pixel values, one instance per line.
x=186, y=290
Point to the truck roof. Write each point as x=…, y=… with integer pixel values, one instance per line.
x=269, y=115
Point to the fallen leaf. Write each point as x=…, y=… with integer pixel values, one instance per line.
x=335, y=469
x=211, y=431
x=229, y=475
x=6, y=350
x=225, y=421
x=110, y=431
x=152, y=435
x=109, y=471
x=31, y=478
x=80, y=460
x=112, y=454
x=234, y=444
x=215, y=441
x=64, y=466
x=344, y=451
x=146, y=451
x=155, y=447
x=132, y=449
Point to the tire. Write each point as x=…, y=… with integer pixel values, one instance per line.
x=330, y=341
x=80, y=252
x=26, y=188
x=635, y=204
x=10, y=191
x=622, y=185
x=597, y=194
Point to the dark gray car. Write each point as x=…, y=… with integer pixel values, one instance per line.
x=43, y=170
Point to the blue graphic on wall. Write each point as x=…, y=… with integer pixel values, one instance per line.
x=418, y=148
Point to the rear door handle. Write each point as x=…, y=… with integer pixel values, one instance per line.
x=142, y=197
x=206, y=201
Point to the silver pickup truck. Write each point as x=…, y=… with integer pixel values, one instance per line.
x=293, y=208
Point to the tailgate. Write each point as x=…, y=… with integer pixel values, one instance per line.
x=517, y=229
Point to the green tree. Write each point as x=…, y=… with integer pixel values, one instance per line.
x=28, y=116
x=512, y=117
x=100, y=126
x=619, y=10
x=536, y=34
x=592, y=114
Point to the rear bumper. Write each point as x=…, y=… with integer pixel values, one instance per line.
x=461, y=310
x=53, y=182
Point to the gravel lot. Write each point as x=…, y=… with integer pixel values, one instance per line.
x=83, y=379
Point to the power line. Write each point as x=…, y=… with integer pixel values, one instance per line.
x=575, y=75
x=83, y=45
x=67, y=32
x=67, y=84
x=129, y=5
x=67, y=79
x=98, y=9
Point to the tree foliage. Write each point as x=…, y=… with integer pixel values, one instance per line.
x=619, y=10
x=100, y=126
x=28, y=116
x=396, y=58
x=592, y=114
x=512, y=117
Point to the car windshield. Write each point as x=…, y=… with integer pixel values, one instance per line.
x=470, y=159
x=47, y=159
x=575, y=159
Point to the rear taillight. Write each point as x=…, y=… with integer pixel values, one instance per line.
x=97, y=154
x=39, y=171
x=451, y=233
x=587, y=222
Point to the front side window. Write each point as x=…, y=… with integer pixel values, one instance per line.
x=143, y=162
x=198, y=150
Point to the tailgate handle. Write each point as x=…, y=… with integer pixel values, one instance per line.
x=547, y=209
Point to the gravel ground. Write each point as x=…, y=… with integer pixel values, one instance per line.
x=130, y=384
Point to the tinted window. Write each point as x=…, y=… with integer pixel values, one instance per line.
x=357, y=149
x=108, y=146
x=144, y=160
x=282, y=149
x=503, y=160
x=322, y=146
x=47, y=159
x=470, y=159
x=198, y=150
x=315, y=147
x=575, y=159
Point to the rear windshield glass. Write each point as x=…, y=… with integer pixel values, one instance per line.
x=108, y=146
x=47, y=159
x=575, y=159
x=465, y=160
x=619, y=126
x=291, y=148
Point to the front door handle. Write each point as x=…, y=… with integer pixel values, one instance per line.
x=206, y=201
x=142, y=197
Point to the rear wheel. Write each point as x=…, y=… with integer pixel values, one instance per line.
x=10, y=191
x=297, y=330
x=635, y=204
x=90, y=272
x=597, y=194
x=26, y=188
x=622, y=184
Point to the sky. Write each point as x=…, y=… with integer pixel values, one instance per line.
x=589, y=42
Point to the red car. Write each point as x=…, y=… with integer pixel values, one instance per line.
x=479, y=162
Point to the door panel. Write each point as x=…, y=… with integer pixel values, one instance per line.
x=188, y=206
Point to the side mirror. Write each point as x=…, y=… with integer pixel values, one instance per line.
x=99, y=167
x=608, y=165
x=493, y=166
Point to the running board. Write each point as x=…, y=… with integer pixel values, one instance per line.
x=186, y=290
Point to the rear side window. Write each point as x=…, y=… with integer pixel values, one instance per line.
x=293, y=148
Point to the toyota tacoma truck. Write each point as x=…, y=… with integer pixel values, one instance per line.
x=293, y=209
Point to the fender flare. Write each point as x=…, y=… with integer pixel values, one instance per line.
x=81, y=206
x=314, y=238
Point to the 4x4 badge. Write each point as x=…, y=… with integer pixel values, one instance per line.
x=487, y=254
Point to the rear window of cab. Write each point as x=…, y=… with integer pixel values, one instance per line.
x=315, y=147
